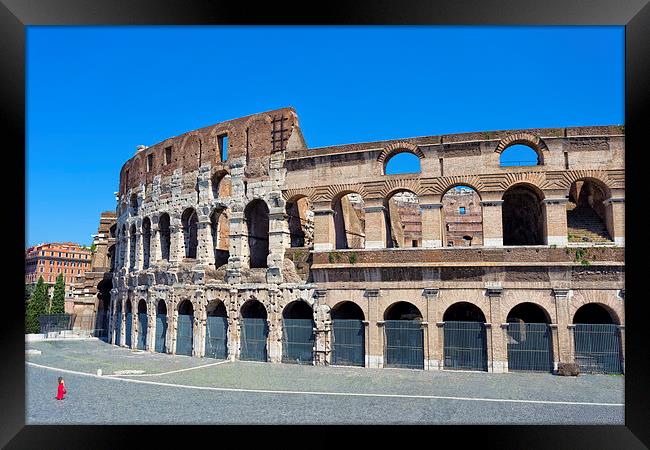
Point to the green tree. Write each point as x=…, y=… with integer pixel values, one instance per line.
x=36, y=307
x=58, y=299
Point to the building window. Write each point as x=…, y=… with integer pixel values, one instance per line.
x=461, y=210
x=149, y=163
x=168, y=155
x=222, y=142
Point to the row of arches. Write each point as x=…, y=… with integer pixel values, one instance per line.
x=523, y=217
x=529, y=337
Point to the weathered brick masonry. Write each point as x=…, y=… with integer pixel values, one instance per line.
x=243, y=212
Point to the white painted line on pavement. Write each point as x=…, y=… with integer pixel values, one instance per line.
x=166, y=373
x=341, y=394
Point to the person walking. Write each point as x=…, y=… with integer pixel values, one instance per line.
x=61, y=389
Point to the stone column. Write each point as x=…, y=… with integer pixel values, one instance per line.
x=564, y=342
x=274, y=318
x=555, y=224
x=126, y=255
x=497, y=351
x=431, y=221
x=492, y=223
x=198, y=330
x=139, y=248
x=234, y=326
x=324, y=235
x=433, y=362
x=555, y=345
x=439, y=350
x=615, y=219
x=375, y=354
x=621, y=328
x=375, y=213
x=278, y=239
x=322, y=329
x=205, y=250
x=176, y=244
x=151, y=326
x=155, y=254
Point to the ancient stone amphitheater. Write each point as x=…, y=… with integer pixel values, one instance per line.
x=237, y=241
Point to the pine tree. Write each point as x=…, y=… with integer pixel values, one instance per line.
x=36, y=307
x=58, y=300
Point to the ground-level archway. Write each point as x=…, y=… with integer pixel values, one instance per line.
x=142, y=325
x=103, y=302
x=118, y=323
x=597, y=340
x=465, y=337
x=184, y=328
x=216, y=331
x=298, y=333
x=161, y=327
x=529, y=339
x=129, y=324
x=254, y=331
x=404, y=336
x=348, y=335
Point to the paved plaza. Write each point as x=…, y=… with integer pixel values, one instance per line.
x=169, y=389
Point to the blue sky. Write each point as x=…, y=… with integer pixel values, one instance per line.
x=95, y=93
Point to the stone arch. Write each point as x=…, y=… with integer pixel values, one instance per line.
x=595, y=312
x=298, y=309
x=253, y=309
x=132, y=246
x=164, y=230
x=189, y=223
x=349, y=219
x=528, y=312
x=398, y=147
x=256, y=228
x=220, y=184
x=462, y=216
x=402, y=310
x=464, y=312
x=403, y=219
x=161, y=306
x=528, y=139
x=587, y=211
x=522, y=215
x=345, y=310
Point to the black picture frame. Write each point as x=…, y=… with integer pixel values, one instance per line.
x=15, y=15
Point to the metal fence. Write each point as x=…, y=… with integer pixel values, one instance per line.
x=598, y=348
x=465, y=345
x=216, y=337
x=101, y=325
x=118, y=327
x=348, y=342
x=161, y=333
x=254, y=334
x=184, y=335
x=142, y=331
x=529, y=347
x=298, y=341
x=404, y=344
x=55, y=322
x=128, y=329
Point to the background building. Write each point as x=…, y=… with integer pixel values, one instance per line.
x=51, y=259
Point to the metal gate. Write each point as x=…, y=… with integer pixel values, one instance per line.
x=404, y=344
x=598, y=348
x=529, y=347
x=161, y=333
x=298, y=341
x=348, y=342
x=216, y=337
x=142, y=331
x=101, y=325
x=254, y=333
x=118, y=326
x=465, y=345
x=184, y=335
x=129, y=325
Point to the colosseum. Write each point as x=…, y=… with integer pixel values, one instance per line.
x=237, y=241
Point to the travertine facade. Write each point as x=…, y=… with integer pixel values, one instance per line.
x=243, y=211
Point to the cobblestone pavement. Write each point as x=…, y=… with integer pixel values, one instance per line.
x=182, y=397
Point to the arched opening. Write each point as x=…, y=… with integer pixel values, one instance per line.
x=349, y=221
x=165, y=236
x=402, y=162
x=112, y=230
x=118, y=323
x=298, y=333
x=111, y=257
x=465, y=337
x=586, y=212
x=134, y=203
x=348, y=335
x=161, y=327
x=220, y=232
x=216, y=331
x=220, y=185
x=189, y=222
x=519, y=155
x=132, y=244
x=104, y=300
x=256, y=216
x=462, y=216
x=529, y=339
x=142, y=325
x=403, y=220
x=300, y=216
x=146, y=242
x=129, y=323
x=404, y=336
x=522, y=216
x=185, y=330
x=597, y=340
x=254, y=331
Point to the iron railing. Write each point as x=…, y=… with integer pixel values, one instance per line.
x=465, y=345
x=529, y=347
x=598, y=348
x=254, y=334
x=298, y=341
x=142, y=331
x=216, y=337
x=184, y=335
x=161, y=333
x=348, y=342
x=404, y=344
